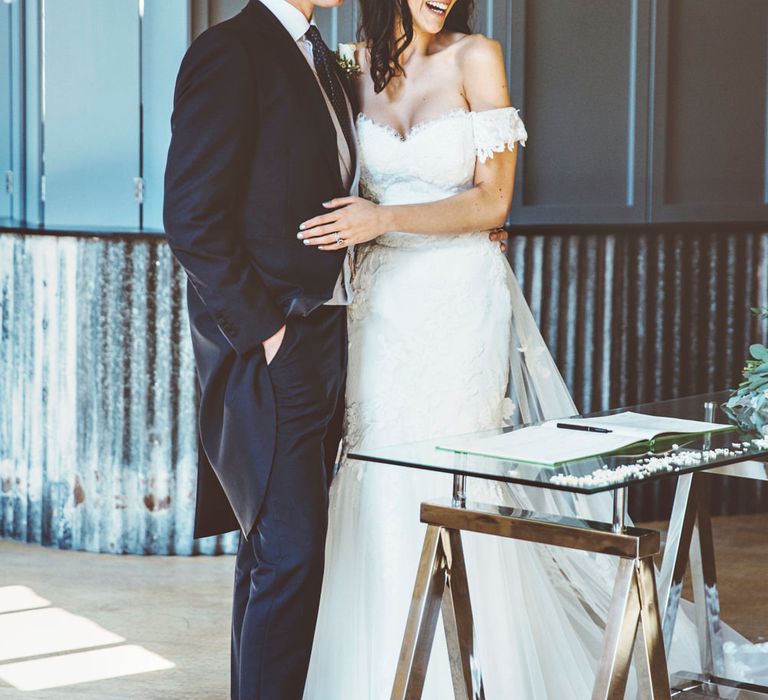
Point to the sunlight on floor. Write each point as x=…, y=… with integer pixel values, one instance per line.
x=81, y=667
x=28, y=628
x=13, y=598
x=47, y=631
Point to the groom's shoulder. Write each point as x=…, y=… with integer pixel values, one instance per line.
x=229, y=41
x=223, y=40
x=214, y=57
x=218, y=55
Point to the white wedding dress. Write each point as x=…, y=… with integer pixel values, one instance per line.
x=442, y=342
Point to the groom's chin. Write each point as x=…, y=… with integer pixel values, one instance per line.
x=327, y=3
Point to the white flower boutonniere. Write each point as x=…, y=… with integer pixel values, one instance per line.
x=345, y=57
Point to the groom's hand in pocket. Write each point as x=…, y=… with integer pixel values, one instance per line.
x=272, y=345
x=499, y=235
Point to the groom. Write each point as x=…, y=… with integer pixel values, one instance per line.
x=262, y=136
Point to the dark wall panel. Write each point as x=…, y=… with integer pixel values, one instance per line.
x=560, y=40
x=710, y=110
x=637, y=110
x=579, y=71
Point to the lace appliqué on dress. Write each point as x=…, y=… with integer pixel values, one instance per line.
x=497, y=130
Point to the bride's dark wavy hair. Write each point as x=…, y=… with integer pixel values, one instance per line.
x=379, y=22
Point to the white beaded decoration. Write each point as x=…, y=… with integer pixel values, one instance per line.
x=646, y=466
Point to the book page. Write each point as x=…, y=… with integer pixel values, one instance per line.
x=548, y=444
x=640, y=426
x=540, y=444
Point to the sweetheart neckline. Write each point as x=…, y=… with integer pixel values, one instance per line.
x=419, y=126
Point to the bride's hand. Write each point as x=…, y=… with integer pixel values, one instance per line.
x=353, y=220
x=500, y=236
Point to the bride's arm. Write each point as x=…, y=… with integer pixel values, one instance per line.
x=483, y=207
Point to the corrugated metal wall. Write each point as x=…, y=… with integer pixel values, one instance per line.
x=97, y=418
x=643, y=314
x=97, y=397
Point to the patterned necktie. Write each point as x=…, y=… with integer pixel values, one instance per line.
x=326, y=71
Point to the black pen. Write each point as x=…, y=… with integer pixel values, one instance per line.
x=588, y=428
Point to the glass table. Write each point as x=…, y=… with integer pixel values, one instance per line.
x=694, y=686
x=638, y=605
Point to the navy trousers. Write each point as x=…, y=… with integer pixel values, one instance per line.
x=279, y=567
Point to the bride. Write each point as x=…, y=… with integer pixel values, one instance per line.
x=442, y=342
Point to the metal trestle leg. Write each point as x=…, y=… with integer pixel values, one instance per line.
x=458, y=622
x=690, y=539
x=441, y=582
x=422, y=618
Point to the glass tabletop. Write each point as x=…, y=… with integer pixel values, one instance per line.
x=605, y=473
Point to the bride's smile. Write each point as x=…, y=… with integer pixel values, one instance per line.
x=430, y=15
x=439, y=8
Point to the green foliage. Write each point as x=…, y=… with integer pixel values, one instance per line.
x=755, y=370
x=348, y=66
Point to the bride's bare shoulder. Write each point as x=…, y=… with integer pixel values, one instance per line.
x=478, y=51
x=483, y=72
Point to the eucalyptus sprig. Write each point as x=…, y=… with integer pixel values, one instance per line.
x=755, y=371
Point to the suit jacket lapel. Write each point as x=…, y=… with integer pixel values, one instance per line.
x=346, y=82
x=305, y=81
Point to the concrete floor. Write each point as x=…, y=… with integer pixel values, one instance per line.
x=172, y=614
x=175, y=607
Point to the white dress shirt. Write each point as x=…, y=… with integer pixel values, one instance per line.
x=296, y=24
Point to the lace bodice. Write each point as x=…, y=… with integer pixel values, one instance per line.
x=438, y=154
x=434, y=160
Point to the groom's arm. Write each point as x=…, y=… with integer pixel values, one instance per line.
x=214, y=117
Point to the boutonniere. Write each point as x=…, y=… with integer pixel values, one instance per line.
x=345, y=57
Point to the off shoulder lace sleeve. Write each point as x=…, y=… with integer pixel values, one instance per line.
x=496, y=130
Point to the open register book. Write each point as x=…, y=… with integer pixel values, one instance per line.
x=548, y=444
